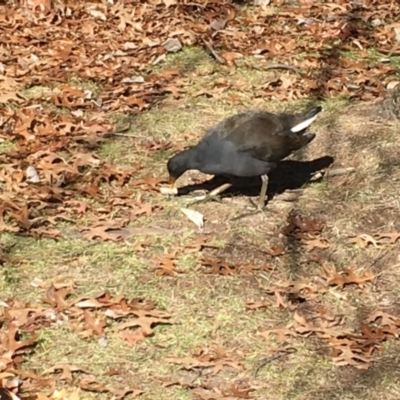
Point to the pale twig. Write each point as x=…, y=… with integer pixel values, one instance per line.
x=279, y=354
x=331, y=172
x=108, y=134
x=283, y=66
x=213, y=52
x=214, y=193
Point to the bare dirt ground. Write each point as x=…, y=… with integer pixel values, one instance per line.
x=109, y=291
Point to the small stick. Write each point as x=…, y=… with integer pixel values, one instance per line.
x=168, y=190
x=213, y=53
x=282, y=66
x=289, y=196
x=332, y=172
x=393, y=52
x=108, y=134
x=266, y=360
x=214, y=193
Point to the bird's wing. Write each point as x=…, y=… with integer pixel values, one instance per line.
x=260, y=134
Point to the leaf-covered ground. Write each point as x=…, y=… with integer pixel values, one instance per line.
x=108, y=290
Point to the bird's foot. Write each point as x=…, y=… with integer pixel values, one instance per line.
x=255, y=207
x=253, y=210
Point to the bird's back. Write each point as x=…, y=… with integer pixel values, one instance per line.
x=265, y=136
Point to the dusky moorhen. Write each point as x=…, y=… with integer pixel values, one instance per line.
x=246, y=145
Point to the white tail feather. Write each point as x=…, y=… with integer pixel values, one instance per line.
x=303, y=125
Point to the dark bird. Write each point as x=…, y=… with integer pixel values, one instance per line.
x=246, y=145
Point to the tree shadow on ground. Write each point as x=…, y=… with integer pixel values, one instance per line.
x=288, y=175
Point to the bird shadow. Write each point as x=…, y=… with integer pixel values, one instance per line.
x=288, y=175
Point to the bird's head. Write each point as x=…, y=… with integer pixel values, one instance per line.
x=177, y=166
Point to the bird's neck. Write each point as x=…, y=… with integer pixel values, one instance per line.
x=191, y=158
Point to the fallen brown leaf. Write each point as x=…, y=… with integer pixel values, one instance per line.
x=364, y=241
x=218, y=267
x=317, y=243
x=67, y=371
x=349, y=276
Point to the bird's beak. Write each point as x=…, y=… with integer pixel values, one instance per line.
x=172, y=181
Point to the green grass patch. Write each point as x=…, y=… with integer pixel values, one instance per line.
x=210, y=309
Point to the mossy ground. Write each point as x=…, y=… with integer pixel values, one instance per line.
x=210, y=310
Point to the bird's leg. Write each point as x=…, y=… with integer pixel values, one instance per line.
x=214, y=194
x=261, y=200
x=263, y=192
